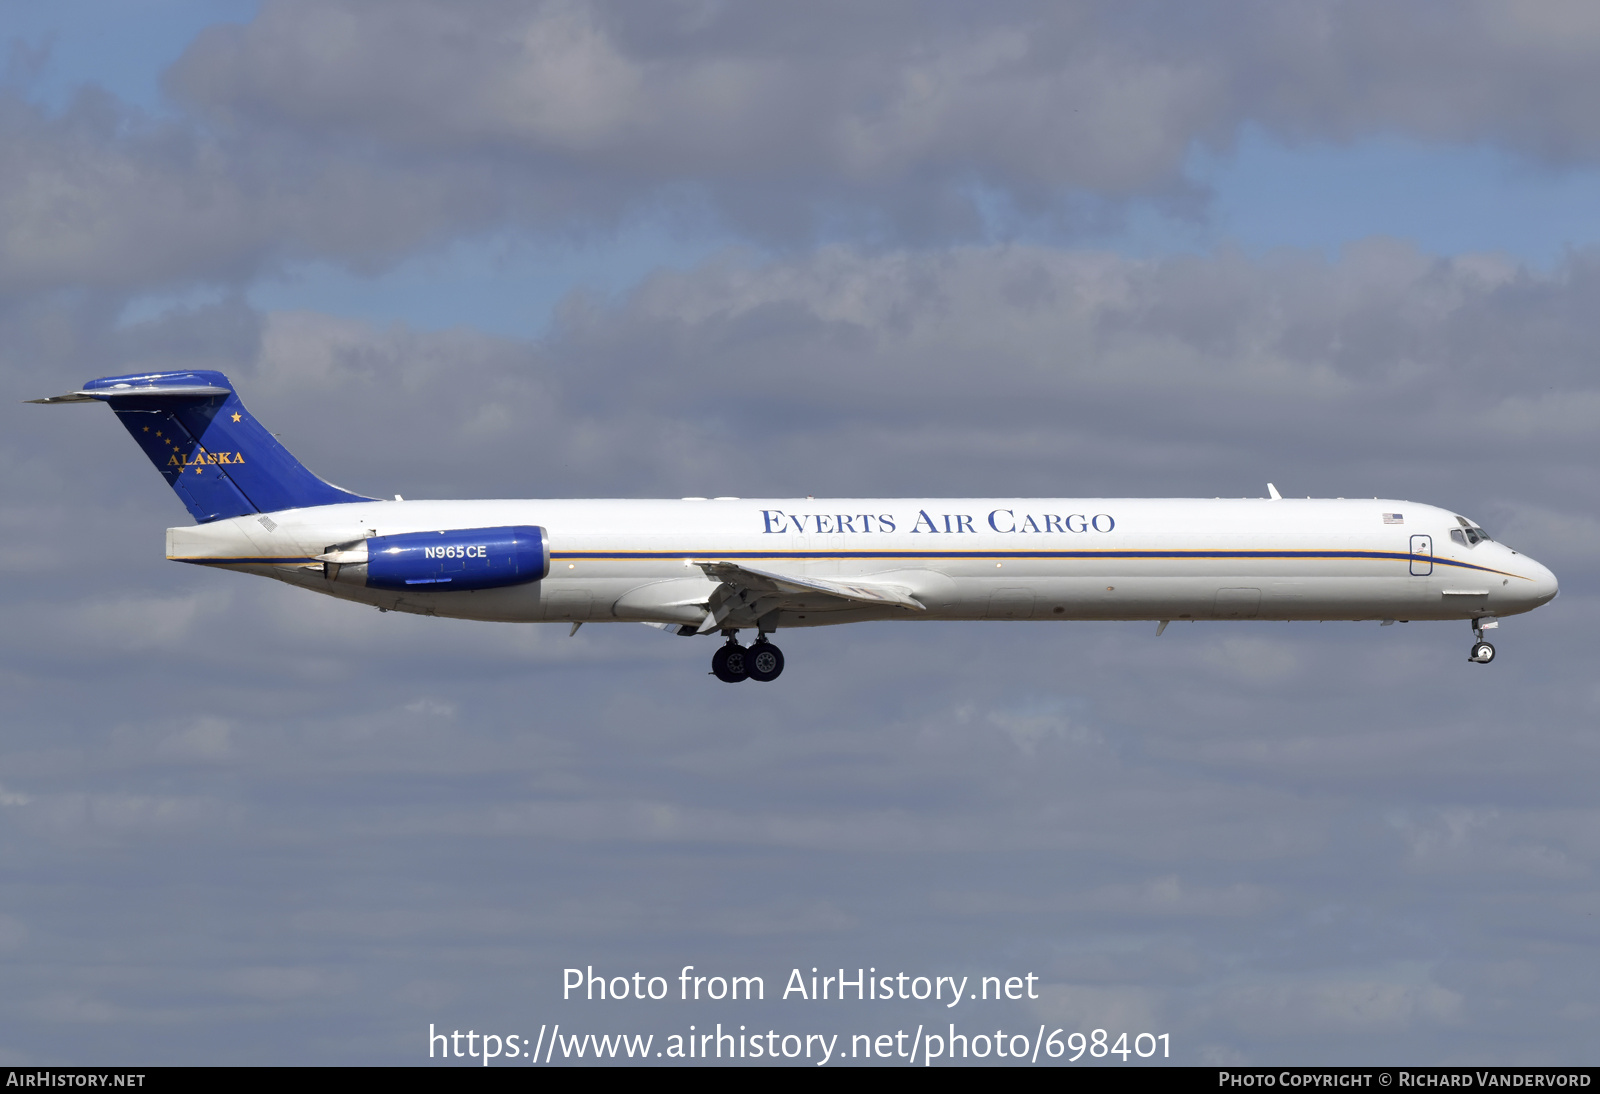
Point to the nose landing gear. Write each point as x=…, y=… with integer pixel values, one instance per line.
x=1482, y=652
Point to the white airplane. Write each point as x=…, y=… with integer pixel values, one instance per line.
x=725, y=565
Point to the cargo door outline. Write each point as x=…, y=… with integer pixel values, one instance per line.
x=1421, y=556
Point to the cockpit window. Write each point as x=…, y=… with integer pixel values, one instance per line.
x=1469, y=533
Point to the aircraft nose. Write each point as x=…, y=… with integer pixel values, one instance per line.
x=1543, y=587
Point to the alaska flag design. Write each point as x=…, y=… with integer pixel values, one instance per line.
x=219, y=460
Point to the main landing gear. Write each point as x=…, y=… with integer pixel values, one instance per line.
x=1482, y=652
x=732, y=662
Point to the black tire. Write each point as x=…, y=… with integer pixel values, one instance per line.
x=764, y=662
x=728, y=663
x=1482, y=653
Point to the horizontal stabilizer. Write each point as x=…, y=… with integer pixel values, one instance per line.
x=130, y=391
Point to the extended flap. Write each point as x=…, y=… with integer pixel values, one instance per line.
x=861, y=592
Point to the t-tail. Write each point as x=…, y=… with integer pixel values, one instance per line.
x=221, y=461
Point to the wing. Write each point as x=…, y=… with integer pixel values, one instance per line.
x=747, y=593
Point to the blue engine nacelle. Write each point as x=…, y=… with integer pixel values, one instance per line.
x=460, y=558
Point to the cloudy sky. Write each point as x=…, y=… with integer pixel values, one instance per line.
x=514, y=249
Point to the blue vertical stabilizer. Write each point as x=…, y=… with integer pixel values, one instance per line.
x=218, y=458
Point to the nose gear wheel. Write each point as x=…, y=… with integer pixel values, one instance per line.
x=1482, y=652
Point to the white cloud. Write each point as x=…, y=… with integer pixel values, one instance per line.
x=1390, y=1001
x=361, y=132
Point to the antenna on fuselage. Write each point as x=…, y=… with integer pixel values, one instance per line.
x=1272, y=492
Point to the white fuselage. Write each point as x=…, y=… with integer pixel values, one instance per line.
x=1100, y=558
